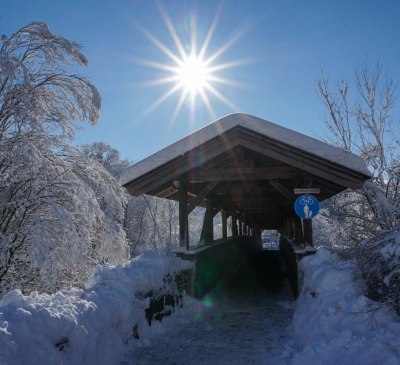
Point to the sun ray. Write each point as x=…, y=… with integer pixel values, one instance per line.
x=157, y=65
x=207, y=103
x=161, y=99
x=159, y=81
x=172, y=31
x=193, y=36
x=224, y=81
x=180, y=104
x=227, y=45
x=222, y=98
x=228, y=65
x=210, y=33
x=162, y=47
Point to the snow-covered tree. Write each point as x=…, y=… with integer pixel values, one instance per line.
x=150, y=223
x=107, y=156
x=361, y=118
x=39, y=90
x=60, y=214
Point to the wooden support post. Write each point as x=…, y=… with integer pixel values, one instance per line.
x=292, y=227
x=234, y=225
x=257, y=234
x=298, y=231
x=183, y=216
x=224, y=224
x=308, y=234
x=285, y=226
x=288, y=227
x=193, y=203
x=307, y=223
x=207, y=232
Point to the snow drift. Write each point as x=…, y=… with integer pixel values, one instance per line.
x=87, y=326
x=335, y=324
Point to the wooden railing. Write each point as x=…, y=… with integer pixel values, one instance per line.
x=292, y=253
x=219, y=260
x=163, y=300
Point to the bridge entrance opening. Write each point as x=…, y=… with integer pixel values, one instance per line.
x=270, y=239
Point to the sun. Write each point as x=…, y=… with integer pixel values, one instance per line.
x=191, y=70
x=193, y=75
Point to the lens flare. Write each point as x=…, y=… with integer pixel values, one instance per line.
x=208, y=302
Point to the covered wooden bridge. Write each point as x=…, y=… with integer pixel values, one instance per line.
x=248, y=169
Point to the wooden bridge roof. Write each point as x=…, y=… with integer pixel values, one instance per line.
x=246, y=164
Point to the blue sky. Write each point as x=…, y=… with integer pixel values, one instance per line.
x=285, y=45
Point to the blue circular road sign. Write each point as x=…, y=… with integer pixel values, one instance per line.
x=306, y=206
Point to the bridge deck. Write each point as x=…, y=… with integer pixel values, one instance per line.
x=240, y=321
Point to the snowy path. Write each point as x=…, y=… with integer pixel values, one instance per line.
x=243, y=321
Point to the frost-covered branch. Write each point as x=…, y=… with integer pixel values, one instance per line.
x=38, y=89
x=360, y=118
x=60, y=213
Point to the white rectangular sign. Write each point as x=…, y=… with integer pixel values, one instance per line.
x=306, y=191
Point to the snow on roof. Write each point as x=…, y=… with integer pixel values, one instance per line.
x=271, y=130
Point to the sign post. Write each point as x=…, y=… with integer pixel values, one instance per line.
x=307, y=207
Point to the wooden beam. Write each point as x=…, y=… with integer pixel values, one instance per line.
x=298, y=230
x=244, y=174
x=193, y=203
x=224, y=224
x=234, y=225
x=183, y=216
x=240, y=227
x=292, y=156
x=167, y=192
x=207, y=231
x=282, y=190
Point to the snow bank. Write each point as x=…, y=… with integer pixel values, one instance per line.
x=88, y=326
x=335, y=324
